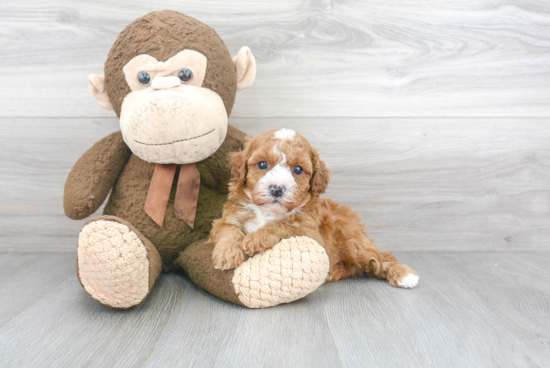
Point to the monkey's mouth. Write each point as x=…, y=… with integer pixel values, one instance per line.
x=179, y=140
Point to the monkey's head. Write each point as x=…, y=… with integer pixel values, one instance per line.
x=172, y=82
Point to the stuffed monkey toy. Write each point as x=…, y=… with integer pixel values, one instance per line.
x=172, y=82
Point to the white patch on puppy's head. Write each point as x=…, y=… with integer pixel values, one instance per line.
x=285, y=134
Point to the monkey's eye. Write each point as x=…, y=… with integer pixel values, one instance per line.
x=185, y=75
x=298, y=170
x=262, y=165
x=144, y=78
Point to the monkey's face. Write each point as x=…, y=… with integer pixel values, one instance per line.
x=168, y=117
x=172, y=82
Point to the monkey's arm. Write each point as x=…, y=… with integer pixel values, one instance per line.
x=215, y=171
x=93, y=176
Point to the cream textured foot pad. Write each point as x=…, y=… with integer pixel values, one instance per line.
x=289, y=271
x=112, y=263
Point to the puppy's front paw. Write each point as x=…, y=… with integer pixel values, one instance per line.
x=227, y=256
x=258, y=241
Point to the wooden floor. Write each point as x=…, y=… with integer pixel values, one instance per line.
x=470, y=310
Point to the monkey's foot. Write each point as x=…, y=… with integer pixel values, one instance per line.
x=289, y=271
x=116, y=265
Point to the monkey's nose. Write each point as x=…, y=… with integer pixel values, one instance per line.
x=276, y=190
x=165, y=82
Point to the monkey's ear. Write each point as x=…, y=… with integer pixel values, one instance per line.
x=245, y=68
x=96, y=83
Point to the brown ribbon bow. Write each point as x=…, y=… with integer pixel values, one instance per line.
x=187, y=193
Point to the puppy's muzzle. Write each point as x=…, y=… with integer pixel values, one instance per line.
x=276, y=190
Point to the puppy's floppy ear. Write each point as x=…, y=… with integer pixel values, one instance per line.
x=321, y=175
x=237, y=163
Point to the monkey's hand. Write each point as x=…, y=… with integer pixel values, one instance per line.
x=94, y=175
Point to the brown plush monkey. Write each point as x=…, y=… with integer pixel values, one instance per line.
x=172, y=82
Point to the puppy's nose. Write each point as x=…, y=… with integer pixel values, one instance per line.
x=276, y=190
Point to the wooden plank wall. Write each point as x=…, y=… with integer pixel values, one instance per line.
x=432, y=115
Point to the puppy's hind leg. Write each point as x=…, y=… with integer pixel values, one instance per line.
x=384, y=266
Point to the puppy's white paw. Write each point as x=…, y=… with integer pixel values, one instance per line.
x=409, y=281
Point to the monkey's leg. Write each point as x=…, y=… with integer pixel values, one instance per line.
x=292, y=269
x=116, y=264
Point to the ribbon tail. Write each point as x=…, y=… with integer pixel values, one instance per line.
x=159, y=192
x=187, y=194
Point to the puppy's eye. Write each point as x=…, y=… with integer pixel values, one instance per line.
x=262, y=165
x=144, y=78
x=185, y=75
x=298, y=170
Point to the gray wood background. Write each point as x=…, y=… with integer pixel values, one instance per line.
x=432, y=115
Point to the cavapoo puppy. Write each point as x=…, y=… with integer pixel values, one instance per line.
x=274, y=194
